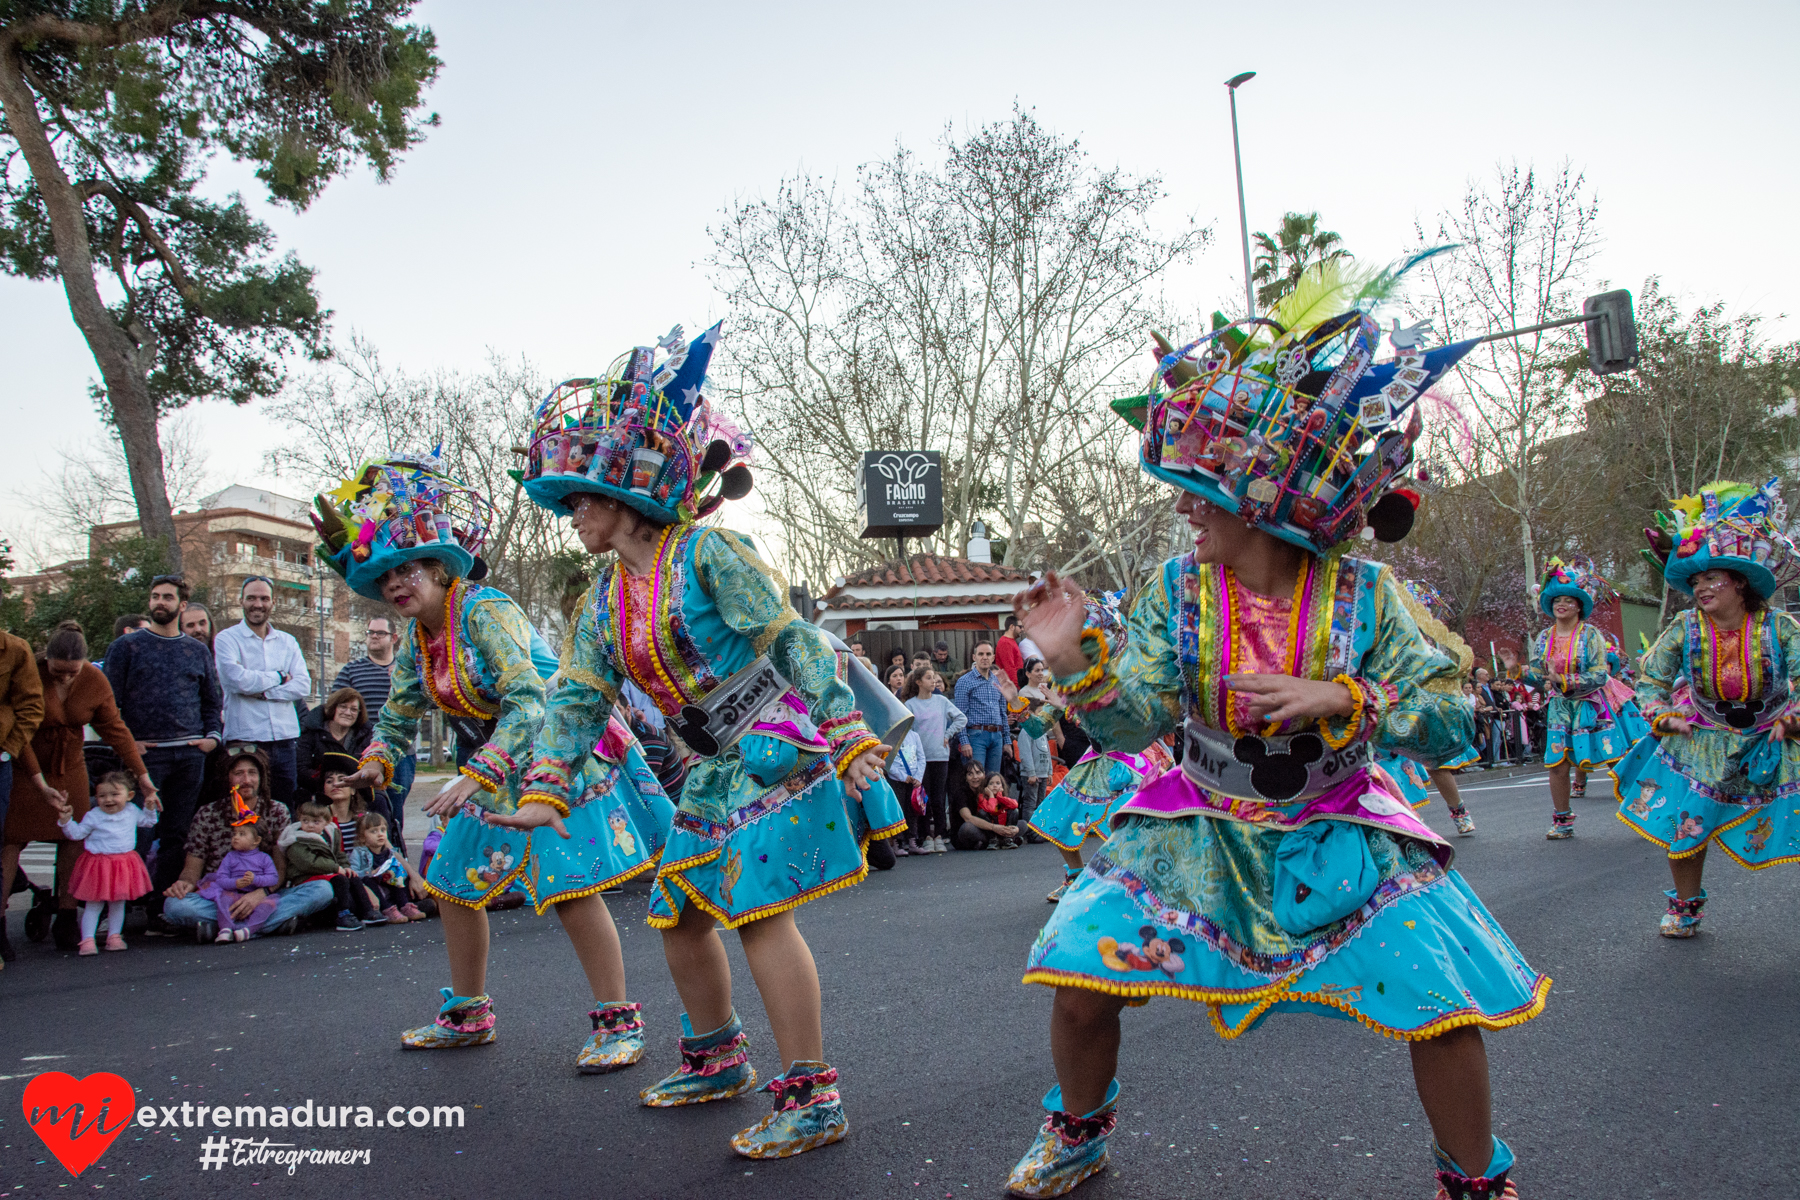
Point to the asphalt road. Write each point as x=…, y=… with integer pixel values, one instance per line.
x=1660, y=1068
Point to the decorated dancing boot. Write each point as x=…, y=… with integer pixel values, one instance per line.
x=714, y=1066
x=1465, y=824
x=1453, y=1184
x=1562, y=825
x=808, y=1114
x=1682, y=920
x=1070, y=875
x=1068, y=1148
x=617, y=1040
x=462, y=1021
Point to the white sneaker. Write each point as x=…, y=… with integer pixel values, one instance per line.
x=940, y=845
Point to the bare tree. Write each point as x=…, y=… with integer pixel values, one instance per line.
x=357, y=408
x=1526, y=244
x=91, y=485
x=985, y=306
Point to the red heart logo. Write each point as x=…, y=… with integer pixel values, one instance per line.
x=78, y=1118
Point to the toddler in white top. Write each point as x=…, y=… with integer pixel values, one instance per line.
x=109, y=871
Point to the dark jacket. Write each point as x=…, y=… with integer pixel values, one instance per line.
x=316, y=740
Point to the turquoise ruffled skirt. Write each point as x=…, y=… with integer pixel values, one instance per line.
x=617, y=823
x=1084, y=802
x=1684, y=793
x=1184, y=907
x=1584, y=733
x=743, y=851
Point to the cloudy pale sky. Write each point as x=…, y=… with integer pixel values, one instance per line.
x=561, y=210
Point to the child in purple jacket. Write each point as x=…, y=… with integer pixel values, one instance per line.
x=243, y=870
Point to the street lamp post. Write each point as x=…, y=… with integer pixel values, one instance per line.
x=1232, y=85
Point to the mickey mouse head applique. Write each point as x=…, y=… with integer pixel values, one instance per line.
x=1279, y=777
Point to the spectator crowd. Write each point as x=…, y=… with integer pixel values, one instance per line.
x=969, y=775
x=207, y=792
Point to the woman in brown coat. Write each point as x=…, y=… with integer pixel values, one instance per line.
x=51, y=767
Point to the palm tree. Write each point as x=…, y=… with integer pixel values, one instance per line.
x=1282, y=259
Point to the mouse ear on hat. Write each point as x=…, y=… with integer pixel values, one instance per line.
x=1392, y=516
x=479, y=571
x=718, y=453
x=736, y=483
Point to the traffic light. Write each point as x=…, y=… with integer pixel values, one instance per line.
x=1612, y=338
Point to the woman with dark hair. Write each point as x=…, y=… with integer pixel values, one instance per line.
x=1722, y=764
x=339, y=726
x=52, y=769
x=939, y=724
x=789, y=789
x=404, y=533
x=245, y=795
x=896, y=679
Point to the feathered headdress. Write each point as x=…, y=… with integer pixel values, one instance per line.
x=392, y=511
x=1288, y=421
x=645, y=434
x=1728, y=526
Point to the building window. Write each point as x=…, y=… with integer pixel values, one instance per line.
x=322, y=647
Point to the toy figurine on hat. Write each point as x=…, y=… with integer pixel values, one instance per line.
x=394, y=511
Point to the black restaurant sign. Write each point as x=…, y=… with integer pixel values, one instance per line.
x=902, y=493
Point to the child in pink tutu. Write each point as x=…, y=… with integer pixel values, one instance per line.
x=243, y=869
x=109, y=871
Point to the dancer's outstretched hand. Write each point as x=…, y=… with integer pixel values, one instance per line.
x=1053, y=613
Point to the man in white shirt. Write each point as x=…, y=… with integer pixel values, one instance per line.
x=262, y=671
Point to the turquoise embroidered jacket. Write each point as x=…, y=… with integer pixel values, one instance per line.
x=500, y=664
x=716, y=608
x=1171, y=666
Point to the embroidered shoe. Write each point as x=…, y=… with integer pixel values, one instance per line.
x=1465, y=824
x=1068, y=1148
x=462, y=1021
x=1070, y=875
x=1562, y=825
x=714, y=1066
x=1682, y=920
x=1454, y=1185
x=808, y=1114
x=617, y=1040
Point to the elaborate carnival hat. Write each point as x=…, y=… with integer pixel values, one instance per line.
x=1578, y=578
x=393, y=511
x=646, y=434
x=1728, y=526
x=1288, y=421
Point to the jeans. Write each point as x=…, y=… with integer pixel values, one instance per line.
x=404, y=770
x=301, y=900
x=284, y=770
x=1030, y=796
x=177, y=772
x=986, y=744
x=968, y=837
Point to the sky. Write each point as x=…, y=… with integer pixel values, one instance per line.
x=561, y=210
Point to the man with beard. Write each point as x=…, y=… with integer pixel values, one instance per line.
x=262, y=671
x=168, y=695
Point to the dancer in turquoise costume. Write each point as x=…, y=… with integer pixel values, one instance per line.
x=788, y=789
x=1570, y=662
x=1723, y=766
x=402, y=532
x=1082, y=806
x=1275, y=871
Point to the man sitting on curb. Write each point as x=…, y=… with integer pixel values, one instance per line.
x=209, y=840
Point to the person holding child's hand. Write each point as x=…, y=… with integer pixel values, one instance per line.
x=109, y=871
